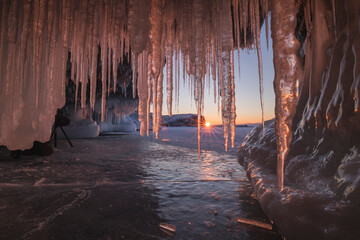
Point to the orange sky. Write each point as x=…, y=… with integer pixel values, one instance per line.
x=247, y=95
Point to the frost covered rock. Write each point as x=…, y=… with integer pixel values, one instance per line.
x=312, y=205
x=317, y=123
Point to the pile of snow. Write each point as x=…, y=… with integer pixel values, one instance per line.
x=84, y=128
x=116, y=118
x=121, y=124
x=117, y=115
x=116, y=108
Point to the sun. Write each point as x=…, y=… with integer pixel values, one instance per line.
x=207, y=124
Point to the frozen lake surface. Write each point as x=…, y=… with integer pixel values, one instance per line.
x=124, y=186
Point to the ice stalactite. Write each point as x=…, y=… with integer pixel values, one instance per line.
x=149, y=94
x=201, y=34
x=321, y=41
x=32, y=71
x=334, y=16
x=142, y=86
x=260, y=62
x=134, y=67
x=200, y=67
x=139, y=24
x=356, y=71
x=156, y=50
x=265, y=7
x=233, y=106
x=227, y=73
x=287, y=73
x=169, y=83
x=226, y=96
x=169, y=57
x=347, y=74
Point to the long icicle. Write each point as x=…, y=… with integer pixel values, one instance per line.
x=233, y=107
x=102, y=32
x=260, y=63
x=148, y=102
x=287, y=68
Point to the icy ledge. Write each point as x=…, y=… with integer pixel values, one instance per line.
x=307, y=210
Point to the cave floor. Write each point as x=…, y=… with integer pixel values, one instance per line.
x=123, y=187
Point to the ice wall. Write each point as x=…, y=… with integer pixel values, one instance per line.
x=317, y=68
x=327, y=121
x=33, y=53
x=37, y=35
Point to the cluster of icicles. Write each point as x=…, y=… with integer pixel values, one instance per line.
x=196, y=38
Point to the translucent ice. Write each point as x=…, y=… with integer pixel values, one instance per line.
x=37, y=36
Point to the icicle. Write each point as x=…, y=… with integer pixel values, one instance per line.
x=226, y=96
x=267, y=23
x=234, y=4
x=76, y=84
x=334, y=17
x=134, y=62
x=233, y=107
x=287, y=68
x=149, y=93
x=199, y=33
x=176, y=72
x=83, y=53
x=169, y=48
x=226, y=77
x=114, y=70
x=199, y=57
x=260, y=64
x=245, y=17
x=93, y=76
x=213, y=64
x=238, y=56
x=159, y=103
x=108, y=71
x=103, y=85
x=169, y=82
x=169, y=74
x=155, y=40
x=143, y=92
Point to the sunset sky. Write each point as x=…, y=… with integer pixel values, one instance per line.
x=248, y=108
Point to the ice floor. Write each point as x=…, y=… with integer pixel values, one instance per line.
x=124, y=186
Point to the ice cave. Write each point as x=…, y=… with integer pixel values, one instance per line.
x=105, y=59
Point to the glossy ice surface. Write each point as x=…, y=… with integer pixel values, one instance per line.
x=124, y=186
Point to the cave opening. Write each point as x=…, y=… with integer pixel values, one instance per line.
x=103, y=59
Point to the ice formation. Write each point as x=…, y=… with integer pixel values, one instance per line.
x=36, y=37
x=288, y=72
x=316, y=57
x=85, y=128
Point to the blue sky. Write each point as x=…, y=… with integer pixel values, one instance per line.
x=247, y=93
